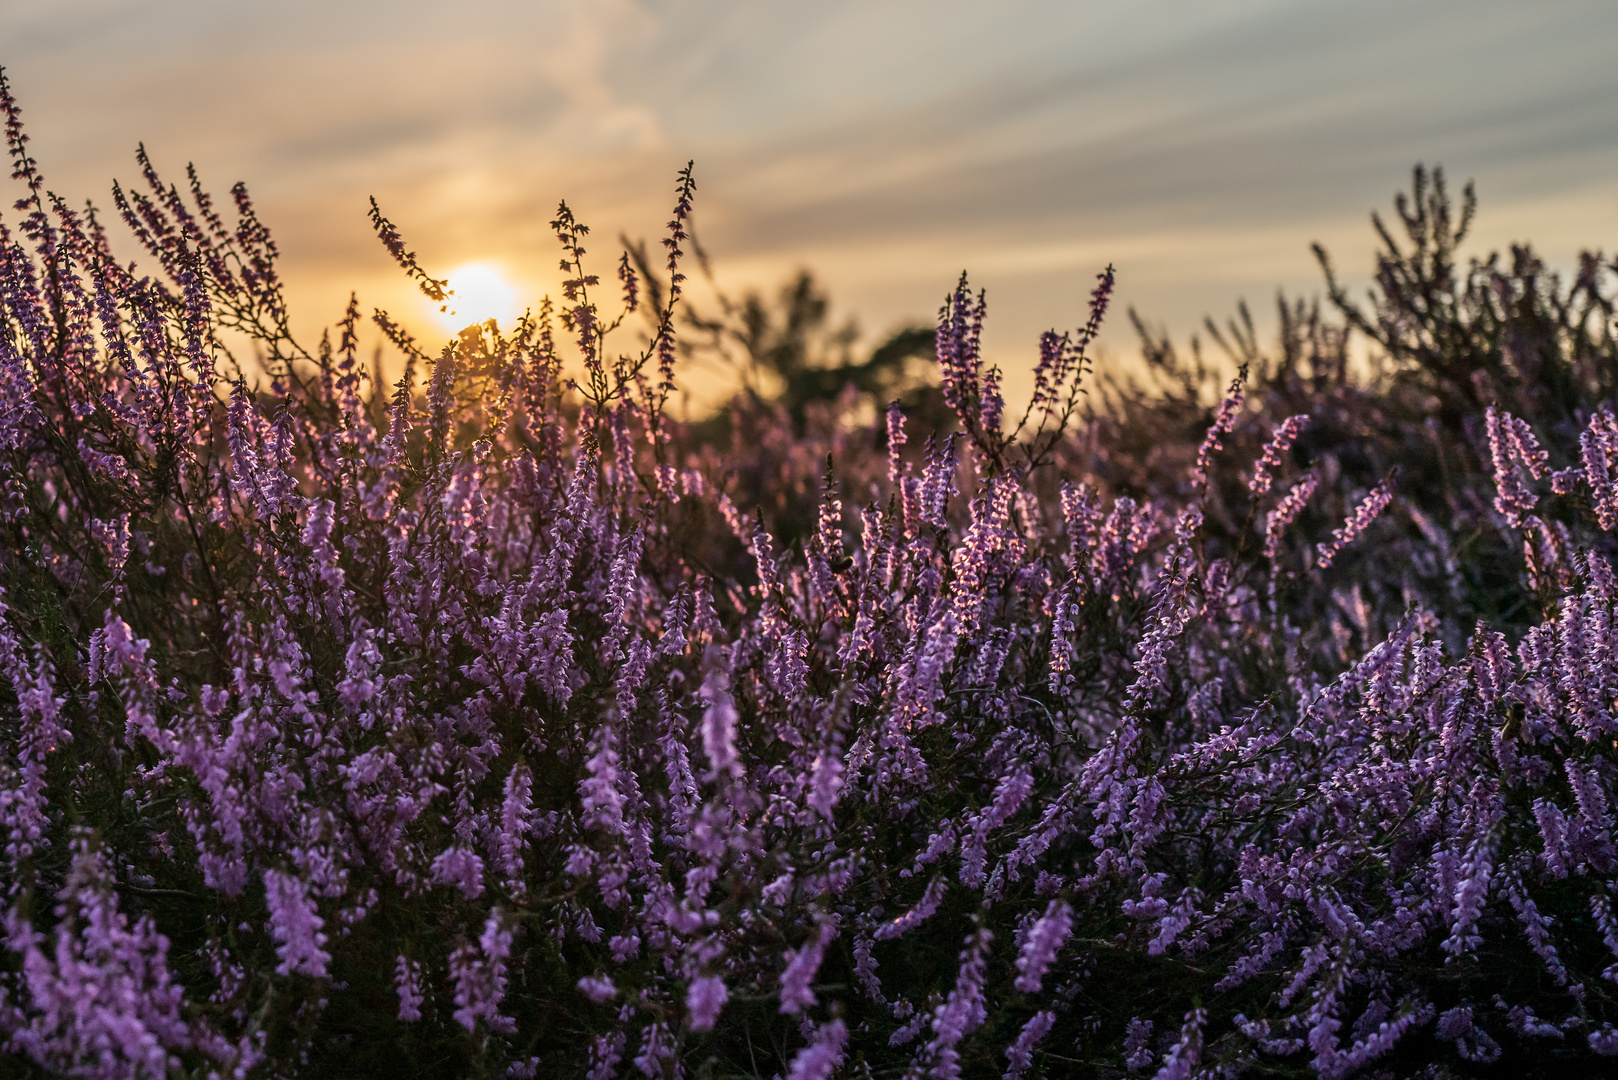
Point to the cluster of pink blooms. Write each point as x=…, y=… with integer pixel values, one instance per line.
x=488, y=726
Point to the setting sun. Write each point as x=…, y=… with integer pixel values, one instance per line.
x=480, y=292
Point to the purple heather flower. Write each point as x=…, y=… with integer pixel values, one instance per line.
x=826, y=778
x=788, y=666
x=1512, y=445
x=407, y=981
x=479, y=974
x=1536, y=930
x=1453, y=1023
x=299, y=941
x=865, y=965
x=600, y=791
x=630, y=282
x=937, y=482
x=993, y=404
x=1059, y=660
x=1054, y=351
x=1081, y=515
x=1525, y=1024
x=719, y=720
x=1604, y=1040
x=598, y=988
x=925, y=909
x=1367, y=511
x=656, y=1047
x=515, y=811
x=682, y=213
x=1046, y=938
x=461, y=868
x=1184, y=1056
x=606, y=1051
x=1287, y=511
x=1224, y=422
x=1021, y=1052
x=552, y=649
x=801, y=967
x=1588, y=793
x=960, y=328
x=1137, y=1044
x=920, y=688
x=1126, y=532
x=1598, y=446
x=896, y=441
x=1285, y=435
x=1376, y=1043
x=963, y=1011
x=24, y=808
x=1553, y=832
x=703, y=1001
x=1469, y=898
x=821, y=1058
x=1010, y=794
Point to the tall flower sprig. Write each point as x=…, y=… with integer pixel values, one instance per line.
x=1285, y=435
x=1059, y=375
x=1512, y=446
x=1223, y=423
x=1368, y=510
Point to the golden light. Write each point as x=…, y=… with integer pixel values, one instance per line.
x=481, y=292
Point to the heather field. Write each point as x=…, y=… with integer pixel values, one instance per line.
x=1253, y=715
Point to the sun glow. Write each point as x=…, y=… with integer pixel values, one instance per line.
x=480, y=292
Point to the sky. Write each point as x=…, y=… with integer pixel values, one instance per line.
x=1200, y=146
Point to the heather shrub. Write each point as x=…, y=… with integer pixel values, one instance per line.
x=502, y=723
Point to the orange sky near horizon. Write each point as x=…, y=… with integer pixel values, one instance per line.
x=1199, y=146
